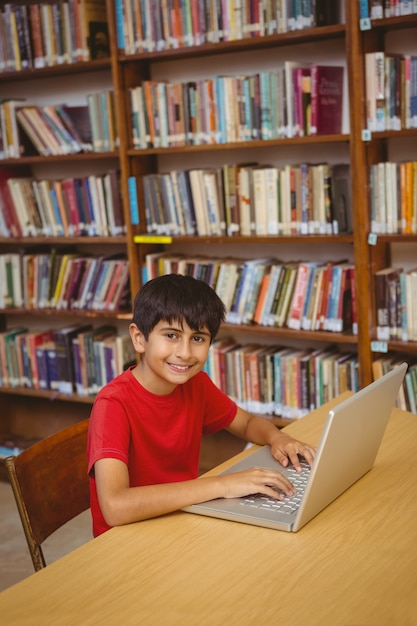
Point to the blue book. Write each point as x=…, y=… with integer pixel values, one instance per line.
x=119, y=24
x=52, y=366
x=363, y=9
x=40, y=355
x=334, y=294
x=265, y=105
x=248, y=108
x=310, y=279
x=91, y=223
x=133, y=201
x=221, y=120
x=59, y=226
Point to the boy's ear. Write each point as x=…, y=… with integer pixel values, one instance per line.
x=138, y=340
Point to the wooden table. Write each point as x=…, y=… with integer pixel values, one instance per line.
x=355, y=564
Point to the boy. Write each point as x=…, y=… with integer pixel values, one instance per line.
x=146, y=425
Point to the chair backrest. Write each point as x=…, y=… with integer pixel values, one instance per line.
x=50, y=485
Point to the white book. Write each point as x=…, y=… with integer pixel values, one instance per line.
x=20, y=207
x=260, y=201
x=271, y=185
x=244, y=201
x=199, y=201
x=216, y=223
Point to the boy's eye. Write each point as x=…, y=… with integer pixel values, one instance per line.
x=171, y=335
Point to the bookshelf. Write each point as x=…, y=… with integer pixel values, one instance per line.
x=393, y=143
x=344, y=43
x=246, y=56
x=32, y=412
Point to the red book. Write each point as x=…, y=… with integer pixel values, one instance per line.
x=6, y=203
x=114, y=283
x=36, y=32
x=326, y=99
x=324, y=295
x=70, y=199
x=36, y=339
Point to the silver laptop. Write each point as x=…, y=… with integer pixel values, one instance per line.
x=347, y=450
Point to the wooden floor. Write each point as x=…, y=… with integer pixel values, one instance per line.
x=15, y=562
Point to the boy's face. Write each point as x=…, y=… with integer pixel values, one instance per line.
x=172, y=355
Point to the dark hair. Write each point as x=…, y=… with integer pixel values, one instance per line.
x=177, y=297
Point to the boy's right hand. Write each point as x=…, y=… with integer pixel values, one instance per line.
x=256, y=480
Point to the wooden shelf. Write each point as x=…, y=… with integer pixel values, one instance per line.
x=59, y=158
x=46, y=394
x=125, y=71
x=244, y=145
x=64, y=69
x=296, y=37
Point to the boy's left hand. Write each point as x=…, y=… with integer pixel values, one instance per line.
x=285, y=449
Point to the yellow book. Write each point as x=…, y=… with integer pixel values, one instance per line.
x=15, y=41
x=60, y=280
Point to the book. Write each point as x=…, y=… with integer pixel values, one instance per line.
x=87, y=337
x=327, y=12
x=199, y=200
x=65, y=363
x=9, y=372
x=300, y=295
x=273, y=281
x=375, y=90
x=341, y=198
x=11, y=225
x=382, y=301
x=76, y=119
x=133, y=201
x=327, y=95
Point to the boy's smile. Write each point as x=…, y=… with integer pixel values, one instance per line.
x=171, y=355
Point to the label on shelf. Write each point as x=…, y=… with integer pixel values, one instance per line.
x=365, y=23
x=379, y=346
x=372, y=239
x=366, y=134
x=152, y=239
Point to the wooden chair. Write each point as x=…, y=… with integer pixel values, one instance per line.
x=50, y=485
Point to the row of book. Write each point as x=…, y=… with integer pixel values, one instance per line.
x=378, y=9
x=299, y=295
x=89, y=206
x=274, y=380
x=77, y=358
x=393, y=196
x=391, y=91
x=248, y=200
x=407, y=396
x=36, y=35
x=62, y=281
x=148, y=26
x=291, y=101
x=396, y=304
x=60, y=129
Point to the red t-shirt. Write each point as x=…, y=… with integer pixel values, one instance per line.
x=158, y=437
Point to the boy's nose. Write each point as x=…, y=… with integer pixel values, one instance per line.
x=183, y=349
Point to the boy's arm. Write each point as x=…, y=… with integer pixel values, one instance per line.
x=261, y=431
x=122, y=504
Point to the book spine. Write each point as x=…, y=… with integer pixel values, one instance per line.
x=133, y=201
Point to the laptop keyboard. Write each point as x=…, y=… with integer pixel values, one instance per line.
x=290, y=503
